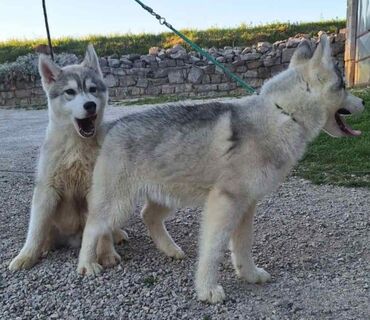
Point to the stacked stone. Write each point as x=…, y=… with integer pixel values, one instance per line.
x=178, y=72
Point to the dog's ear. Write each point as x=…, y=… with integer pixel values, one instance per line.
x=302, y=54
x=49, y=71
x=322, y=55
x=91, y=59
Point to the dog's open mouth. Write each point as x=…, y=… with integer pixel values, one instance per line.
x=86, y=127
x=343, y=126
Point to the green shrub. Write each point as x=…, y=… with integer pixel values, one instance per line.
x=140, y=43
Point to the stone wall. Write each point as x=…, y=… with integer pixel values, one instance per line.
x=165, y=72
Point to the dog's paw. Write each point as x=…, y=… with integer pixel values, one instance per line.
x=120, y=236
x=109, y=260
x=175, y=252
x=89, y=269
x=213, y=294
x=257, y=275
x=22, y=261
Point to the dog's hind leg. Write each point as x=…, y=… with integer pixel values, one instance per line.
x=241, y=250
x=44, y=204
x=119, y=236
x=154, y=216
x=221, y=215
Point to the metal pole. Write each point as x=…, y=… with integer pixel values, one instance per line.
x=47, y=29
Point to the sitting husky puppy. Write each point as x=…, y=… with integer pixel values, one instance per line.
x=226, y=154
x=77, y=97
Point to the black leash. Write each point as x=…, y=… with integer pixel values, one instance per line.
x=47, y=29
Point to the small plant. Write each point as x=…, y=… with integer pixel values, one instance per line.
x=150, y=281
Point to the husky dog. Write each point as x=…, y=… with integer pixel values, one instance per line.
x=223, y=155
x=77, y=97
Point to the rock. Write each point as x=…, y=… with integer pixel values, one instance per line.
x=111, y=81
x=247, y=50
x=207, y=87
x=264, y=72
x=277, y=69
x=114, y=63
x=162, y=54
x=238, y=63
x=176, y=48
x=168, y=89
x=142, y=83
x=269, y=61
x=66, y=59
x=293, y=42
x=264, y=46
x=126, y=61
x=221, y=59
x=287, y=54
x=195, y=75
x=175, y=76
x=149, y=59
x=179, y=55
x=251, y=74
x=250, y=56
x=194, y=59
x=127, y=81
x=337, y=47
x=139, y=64
x=103, y=62
x=154, y=51
x=228, y=52
x=224, y=86
x=133, y=56
x=209, y=69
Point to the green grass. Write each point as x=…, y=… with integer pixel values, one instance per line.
x=150, y=281
x=343, y=161
x=140, y=43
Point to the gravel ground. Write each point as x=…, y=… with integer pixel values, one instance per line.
x=314, y=240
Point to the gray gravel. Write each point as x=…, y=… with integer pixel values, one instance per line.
x=314, y=240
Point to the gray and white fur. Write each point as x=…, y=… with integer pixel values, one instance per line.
x=77, y=97
x=224, y=156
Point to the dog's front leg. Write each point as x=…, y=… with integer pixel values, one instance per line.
x=220, y=216
x=96, y=233
x=44, y=204
x=241, y=250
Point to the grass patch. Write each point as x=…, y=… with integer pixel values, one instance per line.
x=344, y=161
x=140, y=43
x=150, y=281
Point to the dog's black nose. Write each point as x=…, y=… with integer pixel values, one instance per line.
x=90, y=107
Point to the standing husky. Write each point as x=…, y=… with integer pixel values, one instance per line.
x=77, y=97
x=226, y=154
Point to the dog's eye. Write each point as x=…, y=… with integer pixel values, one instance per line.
x=70, y=92
x=92, y=89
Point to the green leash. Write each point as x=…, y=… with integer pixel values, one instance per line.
x=232, y=75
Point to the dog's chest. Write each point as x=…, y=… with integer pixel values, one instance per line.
x=74, y=167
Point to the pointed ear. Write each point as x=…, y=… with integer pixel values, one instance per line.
x=302, y=54
x=322, y=55
x=91, y=60
x=49, y=71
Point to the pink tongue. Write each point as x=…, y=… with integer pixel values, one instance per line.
x=354, y=132
x=350, y=131
x=347, y=129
